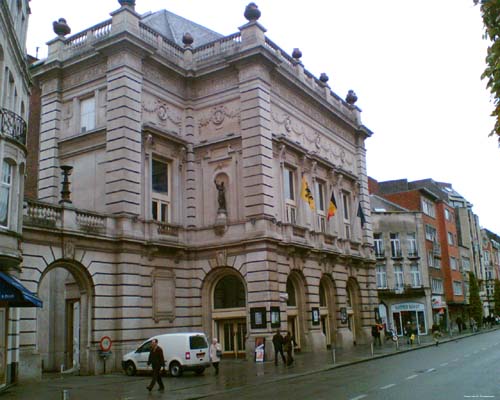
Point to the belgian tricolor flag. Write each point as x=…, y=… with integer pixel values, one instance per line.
x=332, y=207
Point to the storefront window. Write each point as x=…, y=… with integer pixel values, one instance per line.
x=412, y=313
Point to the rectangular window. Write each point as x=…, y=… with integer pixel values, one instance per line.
x=398, y=277
x=320, y=206
x=430, y=258
x=160, y=184
x=453, y=263
x=465, y=264
x=395, y=245
x=437, y=286
x=5, y=192
x=488, y=273
x=346, y=214
x=447, y=214
x=486, y=257
x=378, y=243
x=381, y=277
x=415, y=276
x=428, y=208
x=451, y=240
x=87, y=114
x=457, y=288
x=289, y=193
x=430, y=233
x=437, y=263
x=412, y=245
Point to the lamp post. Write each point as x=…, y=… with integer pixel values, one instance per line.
x=65, y=192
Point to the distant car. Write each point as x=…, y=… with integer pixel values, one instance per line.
x=182, y=351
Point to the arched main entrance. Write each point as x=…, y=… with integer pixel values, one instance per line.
x=353, y=302
x=64, y=321
x=228, y=314
x=328, y=309
x=295, y=307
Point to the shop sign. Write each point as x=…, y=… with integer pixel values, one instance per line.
x=407, y=307
x=438, y=302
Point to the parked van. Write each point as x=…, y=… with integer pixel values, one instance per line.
x=182, y=352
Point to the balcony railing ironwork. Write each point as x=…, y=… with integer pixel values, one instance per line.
x=12, y=125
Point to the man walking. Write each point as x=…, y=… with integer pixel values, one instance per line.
x=156, y=361
x=278, y=347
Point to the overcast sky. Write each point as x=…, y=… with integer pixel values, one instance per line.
x=415, y=66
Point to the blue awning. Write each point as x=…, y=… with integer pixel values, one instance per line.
x=14, y=293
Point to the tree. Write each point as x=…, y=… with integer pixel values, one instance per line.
x=476, y=307
x=490, y=11
x=496, y=297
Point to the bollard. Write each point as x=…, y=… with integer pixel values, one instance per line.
x=65, y=394
x=371, y=348
x=418, y=339
x=333, y=354
x=397, y=345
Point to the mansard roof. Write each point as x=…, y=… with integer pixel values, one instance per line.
x=173, y=27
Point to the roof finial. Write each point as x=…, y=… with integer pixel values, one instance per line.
x=130, y=3
x=351, y=97
x=61, y=28
x=252, y=12
x=296, y=54
x=187, y=39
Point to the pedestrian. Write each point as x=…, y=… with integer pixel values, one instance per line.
x=408, y=332
x=473, y=325
x=459, y=324
x=376, y=335
x=436, y=333
x=215, y=354
x=157, y=362
x=278, y=347
x=288, y=344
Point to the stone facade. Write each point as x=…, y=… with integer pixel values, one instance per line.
x=14, y=93
x=186, y=210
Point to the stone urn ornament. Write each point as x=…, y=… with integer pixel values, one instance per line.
x=296, y=54
x=351, y=97
x=61, y=28
x=130, y=3
x=323, y=78
x=187, y=39
x=252, y=12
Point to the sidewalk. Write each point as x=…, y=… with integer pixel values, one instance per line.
x=233, y=375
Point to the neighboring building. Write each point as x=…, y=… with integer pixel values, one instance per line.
x=490, y=255
x=402, y=274
x=190, y=157
x=440, y=243
x=14, y=93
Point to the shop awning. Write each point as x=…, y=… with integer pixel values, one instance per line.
x=14, y=293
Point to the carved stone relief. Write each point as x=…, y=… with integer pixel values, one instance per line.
x=158, y=112
x=219, y=118
x=80, y=77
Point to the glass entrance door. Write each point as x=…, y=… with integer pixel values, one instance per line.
x=233, y=337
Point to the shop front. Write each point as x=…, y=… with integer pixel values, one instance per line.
x=12, y=295
x=411, y=312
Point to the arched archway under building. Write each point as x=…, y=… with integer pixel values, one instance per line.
x=64, y=323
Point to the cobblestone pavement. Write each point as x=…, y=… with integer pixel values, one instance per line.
x=234, y=374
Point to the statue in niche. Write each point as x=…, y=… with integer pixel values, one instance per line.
x=221, y=196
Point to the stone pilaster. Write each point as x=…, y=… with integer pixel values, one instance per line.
x=49, y=176
x=123, y=136
x=257, y=155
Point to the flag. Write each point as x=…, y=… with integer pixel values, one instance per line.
x=361, y=215
x=332, y=207
x=306, y=193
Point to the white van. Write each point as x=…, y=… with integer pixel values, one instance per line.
x=182, y=352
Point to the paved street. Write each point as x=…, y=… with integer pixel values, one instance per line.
x=455, y=369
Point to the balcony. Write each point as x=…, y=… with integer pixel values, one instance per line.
x=401, y=291
x=12, y=125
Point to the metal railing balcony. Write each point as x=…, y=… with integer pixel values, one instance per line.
x=13, y=125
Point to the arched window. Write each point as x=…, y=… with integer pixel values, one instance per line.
x=322, y=295
x=229, y=293
x=290, y=289
x=348, y=297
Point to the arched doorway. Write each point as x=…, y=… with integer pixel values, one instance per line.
x=295, y=307
x=328, y=309
x=64, y=321
x=353, y=302
x=229, y=322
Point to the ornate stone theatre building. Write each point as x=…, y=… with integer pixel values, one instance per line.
x=178, y=169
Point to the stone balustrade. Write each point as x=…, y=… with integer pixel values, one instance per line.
x=42, y=215
x=187, y=57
